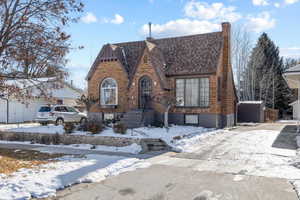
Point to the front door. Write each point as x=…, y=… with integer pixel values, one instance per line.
x=145, y=90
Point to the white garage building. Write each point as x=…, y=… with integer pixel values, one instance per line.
x=13, y=110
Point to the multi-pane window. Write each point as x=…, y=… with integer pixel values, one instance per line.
x=204, y=92
x=108, y=92
x=192, y=92
x=180, y=92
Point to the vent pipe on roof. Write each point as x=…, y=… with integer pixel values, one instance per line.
x=150, y=32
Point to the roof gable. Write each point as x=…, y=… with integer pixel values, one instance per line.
x=187, y=55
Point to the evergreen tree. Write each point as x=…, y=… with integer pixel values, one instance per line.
x=264, y=76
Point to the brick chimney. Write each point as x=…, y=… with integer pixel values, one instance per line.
x=226, y=61
x=226, y=29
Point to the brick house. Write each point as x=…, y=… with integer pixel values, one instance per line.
x=195, y=70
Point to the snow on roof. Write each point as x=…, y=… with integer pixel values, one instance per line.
x=27, y=83
x=251, y=102
x=293, y=69
x=293, y=103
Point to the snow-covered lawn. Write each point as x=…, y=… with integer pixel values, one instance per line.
x=46, y=179
x=133, y=148
x=181, y=138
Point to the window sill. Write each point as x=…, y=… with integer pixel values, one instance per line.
x=108, y=106
x=193, y=107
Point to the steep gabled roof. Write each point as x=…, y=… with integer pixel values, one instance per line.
x=187, y=55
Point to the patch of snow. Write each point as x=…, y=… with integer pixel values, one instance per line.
x=43, y=181
x=192, y=142
x=298, y=141
x=187, y=136
x=4, y=127
x=133, y=148
x=238, y=178
x=250, y=102
x=288, y=121
x=251, y=152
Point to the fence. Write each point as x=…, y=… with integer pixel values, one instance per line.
x=271, y=115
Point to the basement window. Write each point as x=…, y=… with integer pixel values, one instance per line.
x=191, y=119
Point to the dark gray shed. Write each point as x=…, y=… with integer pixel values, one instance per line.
x=250, y=111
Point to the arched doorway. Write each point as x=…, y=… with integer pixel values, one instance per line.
x=145, y=90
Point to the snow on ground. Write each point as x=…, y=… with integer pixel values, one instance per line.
x=187, y=136
x=43, y=181
x=133, y=148
x=4, y=127
x=252, y=153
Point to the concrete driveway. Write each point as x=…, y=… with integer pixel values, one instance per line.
x=161, y=182
x=240, y=164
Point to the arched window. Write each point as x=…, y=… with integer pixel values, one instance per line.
x=109, y=92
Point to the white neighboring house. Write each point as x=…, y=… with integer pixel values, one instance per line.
x=25, y=110
x=296, y=109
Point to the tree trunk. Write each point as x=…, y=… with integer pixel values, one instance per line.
x=166, y=117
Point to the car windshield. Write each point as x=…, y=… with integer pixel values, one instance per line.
x=70, y=109
x=45, y=109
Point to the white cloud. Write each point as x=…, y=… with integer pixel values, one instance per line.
x=261, y=22
x=260, y=2
x=277, y=5
x=290, y=1
x=89, y=18
x=290, y=52
x=181, y=27
x=214, y=11
x=118, y=19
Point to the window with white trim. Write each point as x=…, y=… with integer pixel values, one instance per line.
x=191, y=119
x=109, y=92
x=192, y=92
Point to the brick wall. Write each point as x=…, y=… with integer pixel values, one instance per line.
x=145, y=69
x=114, y=70
x=128, y=98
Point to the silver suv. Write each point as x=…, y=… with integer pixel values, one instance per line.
x=59, y=114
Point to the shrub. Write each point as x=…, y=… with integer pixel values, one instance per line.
x=45, y=139
x=158, y=124
x=94, y=127
x=69, y=127
x=56, y=139
x=120, y=128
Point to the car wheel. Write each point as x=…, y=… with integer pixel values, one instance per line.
x=43, y=123
x=83, y=121
x=59, y=121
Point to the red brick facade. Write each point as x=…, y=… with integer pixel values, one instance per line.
x=128, y=89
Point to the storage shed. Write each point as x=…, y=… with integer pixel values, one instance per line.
x=250, y=111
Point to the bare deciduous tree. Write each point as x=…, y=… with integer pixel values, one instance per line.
x=33, y=43
x=241, y=50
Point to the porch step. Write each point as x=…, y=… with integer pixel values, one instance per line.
x=137, y=118
x=150, y=144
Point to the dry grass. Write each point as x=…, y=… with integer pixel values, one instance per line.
x=11, y=159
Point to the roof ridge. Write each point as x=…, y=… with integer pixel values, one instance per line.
x=175, y=37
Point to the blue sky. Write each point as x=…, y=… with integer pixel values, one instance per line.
x=110, y=21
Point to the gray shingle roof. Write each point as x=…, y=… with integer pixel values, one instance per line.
x=187, y=55
x=293, y=69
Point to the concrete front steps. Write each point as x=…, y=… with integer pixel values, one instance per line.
x=154, y=144
x=138, y=118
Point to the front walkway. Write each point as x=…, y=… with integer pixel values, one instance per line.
x=241, y=164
